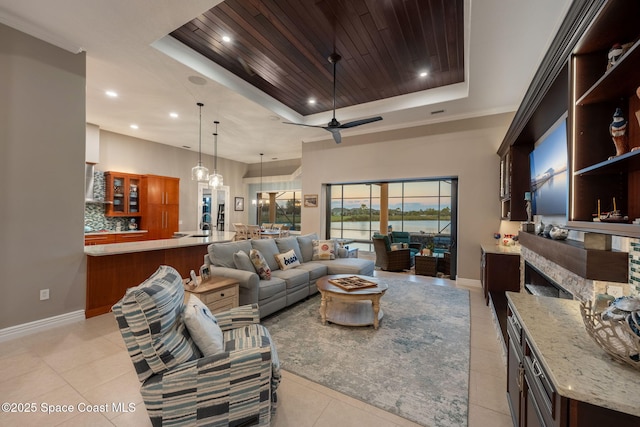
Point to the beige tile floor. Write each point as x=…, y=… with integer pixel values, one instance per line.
x=85, y=364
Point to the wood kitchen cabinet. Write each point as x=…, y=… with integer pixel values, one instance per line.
x=122, y=192
x=161, y=201
x=99, y=239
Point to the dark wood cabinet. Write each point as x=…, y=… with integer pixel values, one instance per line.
x=533, y=397
x=500, y=272
x=597, y=91
x=514, y=181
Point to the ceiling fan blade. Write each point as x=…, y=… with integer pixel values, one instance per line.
x=302, y=124
x=336, y=134
x=359, y=122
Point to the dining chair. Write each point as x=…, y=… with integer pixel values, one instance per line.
x=241, y=231
x=253, y=232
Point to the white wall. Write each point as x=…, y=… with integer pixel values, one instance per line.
x=465, y=149
x=122, y=153
x=42, y=154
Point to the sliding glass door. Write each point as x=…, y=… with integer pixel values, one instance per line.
x=425, y=208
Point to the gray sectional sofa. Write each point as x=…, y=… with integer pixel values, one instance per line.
x=285, y=287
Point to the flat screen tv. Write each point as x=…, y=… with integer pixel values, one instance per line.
x=549, y=173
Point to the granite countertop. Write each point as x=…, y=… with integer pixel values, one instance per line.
x=501, y=249
x=152, y=245
x=577, y=366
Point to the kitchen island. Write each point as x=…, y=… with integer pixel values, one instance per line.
x=113, y=268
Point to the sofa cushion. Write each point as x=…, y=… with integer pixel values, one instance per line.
x=316, y=269
x=287, y=260
x=286, y=244
x=261, y=265
x=306, y=246
x=153, y=311
x=324, y=250
x=270, y=288
x=203, y=326
x=268, y=249
x=221, y=254
x=293, y=278
x=243, y=262
x=360, y=266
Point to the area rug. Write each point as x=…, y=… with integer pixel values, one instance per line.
x=416, y=365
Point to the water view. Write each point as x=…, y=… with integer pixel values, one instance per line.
x=363, y=230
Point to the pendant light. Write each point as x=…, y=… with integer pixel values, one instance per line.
x=199, y=172
x=215, y=179
x=260, y=198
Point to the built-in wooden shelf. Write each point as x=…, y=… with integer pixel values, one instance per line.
x=590, y=264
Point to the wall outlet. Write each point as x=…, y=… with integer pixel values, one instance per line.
x=44, y=294
x=614, y=291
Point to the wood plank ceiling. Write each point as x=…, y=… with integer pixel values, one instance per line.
x=281, y=47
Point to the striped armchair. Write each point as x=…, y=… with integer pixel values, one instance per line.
x=179, y=386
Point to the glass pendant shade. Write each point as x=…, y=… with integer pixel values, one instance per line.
x=215, y=179
x=199, y=172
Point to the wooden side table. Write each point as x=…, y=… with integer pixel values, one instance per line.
x=426, y=265
x=218, y=293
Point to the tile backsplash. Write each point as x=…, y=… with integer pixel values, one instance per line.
x=94, y=218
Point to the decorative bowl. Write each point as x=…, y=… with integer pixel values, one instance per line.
x=618, y=336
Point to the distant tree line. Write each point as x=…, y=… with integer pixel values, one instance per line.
x=363, y=213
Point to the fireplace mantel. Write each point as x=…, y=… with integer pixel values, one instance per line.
x=589, y=264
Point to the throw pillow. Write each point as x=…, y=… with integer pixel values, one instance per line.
x=242, y=262
x=324, y=250
x=203, y=327
x=288, y=260
x=262, y=268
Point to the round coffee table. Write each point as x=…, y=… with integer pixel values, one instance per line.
x=359, y=307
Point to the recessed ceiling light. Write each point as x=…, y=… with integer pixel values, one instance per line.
x=111, y=93
x=226, y=39
x=173, y=115
x=312, y=101
x=423, y=74
x=134, y=126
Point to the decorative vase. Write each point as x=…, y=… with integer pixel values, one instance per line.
x=618, y=131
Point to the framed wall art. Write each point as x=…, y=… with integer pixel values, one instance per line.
x=239, y=204
x=310, y=200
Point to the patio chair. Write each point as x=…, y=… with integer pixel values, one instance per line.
x=405, y=237
x=389, y=259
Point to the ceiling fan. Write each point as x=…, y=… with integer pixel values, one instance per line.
x=334, y=126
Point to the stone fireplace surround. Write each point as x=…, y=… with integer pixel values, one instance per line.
x=536, y=254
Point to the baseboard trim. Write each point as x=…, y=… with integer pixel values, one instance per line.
x=17, y=331
x=468, y=282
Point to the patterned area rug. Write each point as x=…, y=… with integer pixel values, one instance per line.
x=416, y=365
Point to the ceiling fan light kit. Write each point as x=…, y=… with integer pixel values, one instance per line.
x=199, y=172
x=334, y=125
